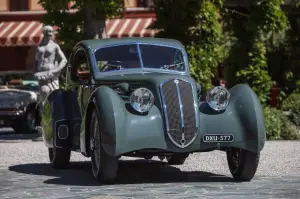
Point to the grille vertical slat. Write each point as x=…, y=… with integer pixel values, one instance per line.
x=181, y=122
x=188, y=110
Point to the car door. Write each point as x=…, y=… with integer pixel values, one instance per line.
x=78, y=85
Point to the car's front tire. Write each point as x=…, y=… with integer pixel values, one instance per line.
x=104, y=166
x=59, y=157
x=242, y=164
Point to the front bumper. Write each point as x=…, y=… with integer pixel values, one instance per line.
x=8, y=118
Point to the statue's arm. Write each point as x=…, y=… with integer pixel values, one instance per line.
x=36, y=71
x=62, y=58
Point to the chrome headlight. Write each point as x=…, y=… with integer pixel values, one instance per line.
x=141, y=100
x=218, y=98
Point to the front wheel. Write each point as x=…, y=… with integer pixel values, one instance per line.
x=104, y=166
x=242, y=164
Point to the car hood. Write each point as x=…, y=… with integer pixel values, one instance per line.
x=10, y=97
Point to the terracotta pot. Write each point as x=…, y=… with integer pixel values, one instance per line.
x=275, y=91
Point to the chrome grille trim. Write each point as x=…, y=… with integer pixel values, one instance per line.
x=181, y=107
x=181, y=110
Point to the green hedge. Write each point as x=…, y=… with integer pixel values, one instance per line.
x=278, y=125
x=292, y=105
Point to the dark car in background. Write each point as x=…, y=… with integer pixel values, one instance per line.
x=18, y=99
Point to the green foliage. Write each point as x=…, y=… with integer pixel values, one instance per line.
x=204, y=51
x=260, y=31
x=256, y=74
x=71, y=23
x=292, y=105
x=200, y=30
x=47, y=120
x=278, y=125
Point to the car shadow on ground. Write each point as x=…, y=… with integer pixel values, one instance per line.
x=130, y=172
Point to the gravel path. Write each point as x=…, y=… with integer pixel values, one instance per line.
x=278, y=158
x=25, y=173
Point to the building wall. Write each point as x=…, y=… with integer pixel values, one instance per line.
x=13, y=58
x=32, y=5
x=22, y=57
x=3, y=5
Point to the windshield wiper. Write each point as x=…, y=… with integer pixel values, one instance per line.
x=171, y=65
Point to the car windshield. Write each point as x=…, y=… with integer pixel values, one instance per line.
x=25, y=81
x=127, y=57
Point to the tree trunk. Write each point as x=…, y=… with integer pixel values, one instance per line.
x=94, y=28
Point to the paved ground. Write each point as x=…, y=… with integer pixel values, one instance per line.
x=25, y=173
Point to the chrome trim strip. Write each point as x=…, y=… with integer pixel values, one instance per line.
x=176, y=81
x=194, y=90
x=140, y=55
x=58, y=134
x=181, y=110
x=164, y=106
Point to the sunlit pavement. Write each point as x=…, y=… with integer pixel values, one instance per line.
x=26, y=173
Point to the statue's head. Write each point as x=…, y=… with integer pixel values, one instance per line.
x=48, y=31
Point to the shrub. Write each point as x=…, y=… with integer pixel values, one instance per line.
x=292, y=105
x=278, y=126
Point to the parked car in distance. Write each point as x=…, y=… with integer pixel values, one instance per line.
x=136, y=97
x=18, y=99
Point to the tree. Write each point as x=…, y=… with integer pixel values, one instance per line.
x=196, y=23
x=257, y=32
x=86, y=22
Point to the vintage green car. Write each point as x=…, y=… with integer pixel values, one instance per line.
x=135, y=97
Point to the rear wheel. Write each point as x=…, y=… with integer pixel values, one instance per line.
x=59, y=157
x=104, y=166
x=242, y=164
x=176, y=159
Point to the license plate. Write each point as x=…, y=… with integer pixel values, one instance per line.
x=218, y=138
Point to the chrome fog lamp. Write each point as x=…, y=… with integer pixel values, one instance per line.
x=218, y=98
x=141, y=100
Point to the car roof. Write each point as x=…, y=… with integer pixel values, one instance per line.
x=97, y=43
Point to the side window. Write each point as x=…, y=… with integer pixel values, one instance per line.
x=18, y=5
x=80, y=68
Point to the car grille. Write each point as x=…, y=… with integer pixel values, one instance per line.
x=179, y=112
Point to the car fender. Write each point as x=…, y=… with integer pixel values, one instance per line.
x=54, y=119
x=243, y=118
x=108, y=104
x=122, y=133
x=250, y=113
